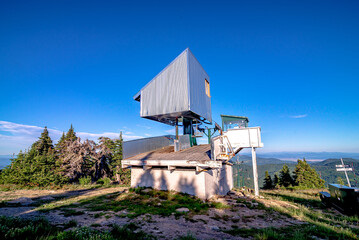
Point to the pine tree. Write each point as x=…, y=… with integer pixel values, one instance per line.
x=61, y=141
x=276, y=180
x=44, y=143
x=306, y=177
x=122, y=175
x=71, y=135
x=267, y=181
x=285, y=179
x=36, y=167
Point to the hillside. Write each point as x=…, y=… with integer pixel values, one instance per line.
x=328, y=171
x=325, y=168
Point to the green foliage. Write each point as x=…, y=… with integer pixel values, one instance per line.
x=70, y=135
x=37, y=167
x=340, y=181
x=306, y=177
x=70, y=224
x=268, y=184
x=115, y=145
x=104, y=181
x=44, y=144
x=285, y=179
x=85, y=180
x=276, y=180
x=18, y=228
x=43, y=165
x=139, y=201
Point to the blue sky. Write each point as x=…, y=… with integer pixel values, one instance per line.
x=291, y=67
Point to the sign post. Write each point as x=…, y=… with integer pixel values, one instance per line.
x=344, y=168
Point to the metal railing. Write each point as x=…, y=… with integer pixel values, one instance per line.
x=134, y=147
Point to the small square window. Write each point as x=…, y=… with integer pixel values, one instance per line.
x=208, y=93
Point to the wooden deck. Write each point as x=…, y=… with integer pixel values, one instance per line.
x=195, y=153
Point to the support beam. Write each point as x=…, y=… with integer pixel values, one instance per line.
x=176, y=128
x=255, y=172
x=346, y=174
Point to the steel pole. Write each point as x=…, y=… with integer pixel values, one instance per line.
x=255, y=172
x=345, y=171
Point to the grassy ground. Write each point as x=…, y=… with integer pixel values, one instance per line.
x=304, y=205
x=136, y=202
x=16, y=228
x=286, y=214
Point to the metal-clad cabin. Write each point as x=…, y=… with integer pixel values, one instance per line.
x=182, y=89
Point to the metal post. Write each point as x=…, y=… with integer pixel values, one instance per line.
x=176, y=128
x=346, y=174
x=255, y=172
x=209, y=136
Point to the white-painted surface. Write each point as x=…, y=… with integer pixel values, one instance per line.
x=203, y=184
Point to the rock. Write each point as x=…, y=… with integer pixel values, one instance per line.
x=215, y=228
x=23, y=201
x=182, y=210
x=159, y=204
x=146, y=190
x=47, y=198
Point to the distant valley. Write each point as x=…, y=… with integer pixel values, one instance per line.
x=326, y=168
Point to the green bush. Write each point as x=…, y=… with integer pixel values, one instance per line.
x=18, y=228
x=85, y=181
x=104, y=181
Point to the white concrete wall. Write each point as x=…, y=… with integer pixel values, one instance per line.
x=203, y=185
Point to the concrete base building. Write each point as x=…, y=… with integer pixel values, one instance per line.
x=190, y=171
x=180, y=96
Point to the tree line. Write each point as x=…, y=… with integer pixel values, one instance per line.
x=303, y=176
x=68, y=161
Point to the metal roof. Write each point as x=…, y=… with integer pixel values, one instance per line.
x=179, y=90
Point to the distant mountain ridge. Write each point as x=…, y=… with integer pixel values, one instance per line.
x=309, y=155
x=325, y=168
x=5, y=160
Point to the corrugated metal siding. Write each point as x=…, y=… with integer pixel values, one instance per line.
x=200, y=103
x=168, y=91
x=134, y=147
x=184, y=142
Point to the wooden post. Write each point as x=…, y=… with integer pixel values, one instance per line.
x=255, y=172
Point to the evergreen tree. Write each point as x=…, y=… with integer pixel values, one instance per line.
x=276, y=180
x=285, y=179
x=267, y=181
x=44, y=143
x=306, y=177
x=122, y=175
x=71, y=135
x=37, y=167
x=61, y=141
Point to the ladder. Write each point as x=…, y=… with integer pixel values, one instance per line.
x=226, y=150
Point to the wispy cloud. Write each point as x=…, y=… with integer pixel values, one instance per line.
x=15, y=136
x=299, y=116
x=143, y=126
